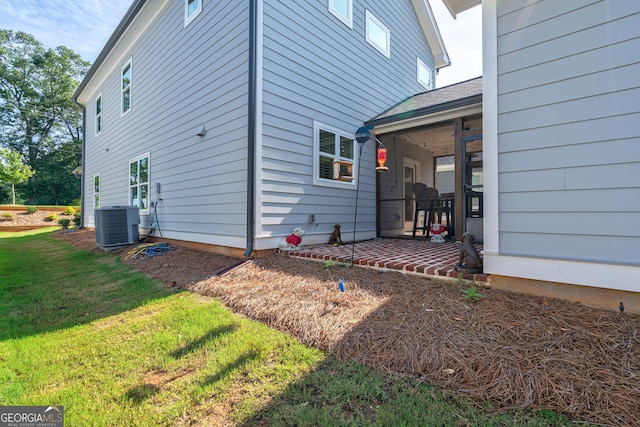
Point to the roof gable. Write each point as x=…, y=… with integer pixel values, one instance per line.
x=432, y=33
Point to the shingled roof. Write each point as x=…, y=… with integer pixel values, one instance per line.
x=456, y=95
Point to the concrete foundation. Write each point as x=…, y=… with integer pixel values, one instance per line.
x=608, y=299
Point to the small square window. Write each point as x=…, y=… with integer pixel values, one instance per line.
x=192, y=8
x=343, y=10
x=424, y=75
x=378, y=35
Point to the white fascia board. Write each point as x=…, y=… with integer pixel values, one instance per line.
x=428, y=119
x=458, y=6
x=122, y=50
x=432, y=33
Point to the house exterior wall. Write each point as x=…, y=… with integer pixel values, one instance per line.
x=183, y=78
x=317, y=69
x=562, y=141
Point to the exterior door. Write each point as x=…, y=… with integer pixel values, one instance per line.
x=472, y=200
x=411, y=172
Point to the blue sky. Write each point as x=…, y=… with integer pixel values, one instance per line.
x=85, y=26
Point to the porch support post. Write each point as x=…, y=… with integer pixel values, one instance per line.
x=459, y=173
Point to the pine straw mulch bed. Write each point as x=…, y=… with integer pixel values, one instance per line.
x=511, y=349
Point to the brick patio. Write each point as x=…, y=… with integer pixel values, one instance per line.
x=411, y=256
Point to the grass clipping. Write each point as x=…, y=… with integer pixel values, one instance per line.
x=511, y=349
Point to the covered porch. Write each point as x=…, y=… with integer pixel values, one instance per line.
x=434, y=139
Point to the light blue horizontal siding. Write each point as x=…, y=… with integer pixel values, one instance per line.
x=587, y=248
x=316, y=68
x=182, y=79
x=572, y=156
x=592, y=131
x=569, y=130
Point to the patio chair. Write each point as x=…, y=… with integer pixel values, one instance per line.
x=428, y=202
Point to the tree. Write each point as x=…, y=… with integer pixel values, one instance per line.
x=37, y=114
x=13, y=171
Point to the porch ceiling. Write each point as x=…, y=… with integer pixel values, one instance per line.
x=436, y=139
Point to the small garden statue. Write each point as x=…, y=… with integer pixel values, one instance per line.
x=470, y=261
x=292, y=242
x=437, y=232
x=335, y=238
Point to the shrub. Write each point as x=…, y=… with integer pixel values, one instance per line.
x=7, y=216
x=69, y=210
x=52, y=217
x=77, y=217
x=31, y=210
x=64, y=222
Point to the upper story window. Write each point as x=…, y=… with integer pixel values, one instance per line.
x=98, y=124
x=192, y=8
x=139, y=183
x=424, y=75
x=343, y=10
x=378, y=35
x=126, y=88
x=334, y=156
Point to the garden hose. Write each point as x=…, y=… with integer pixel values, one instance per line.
x=148, y=249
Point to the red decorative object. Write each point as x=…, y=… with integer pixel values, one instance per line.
x=382, y=159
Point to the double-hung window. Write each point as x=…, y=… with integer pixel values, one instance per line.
x=334, y=156
x=96, y=191
x=139, y=183
x=192, y=8
x=98, y=123
x=378, y=35
x=126, y=87
x=343, y=10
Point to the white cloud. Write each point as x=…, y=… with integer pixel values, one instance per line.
x=463, y=40
x=83, y=26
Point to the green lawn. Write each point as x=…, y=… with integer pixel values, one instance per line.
x=84, y=331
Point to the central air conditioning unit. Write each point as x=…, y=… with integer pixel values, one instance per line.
x=116, y=226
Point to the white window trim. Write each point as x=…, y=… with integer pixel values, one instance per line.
x=188, y=19
x=421, y=64
x=93, y=186
x=136, y=159
x=98, y=115
x=317, y=126
x=348, y=21
x=122, y=90
x=386, y=51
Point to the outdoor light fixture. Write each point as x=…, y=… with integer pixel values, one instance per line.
x=203, y=131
